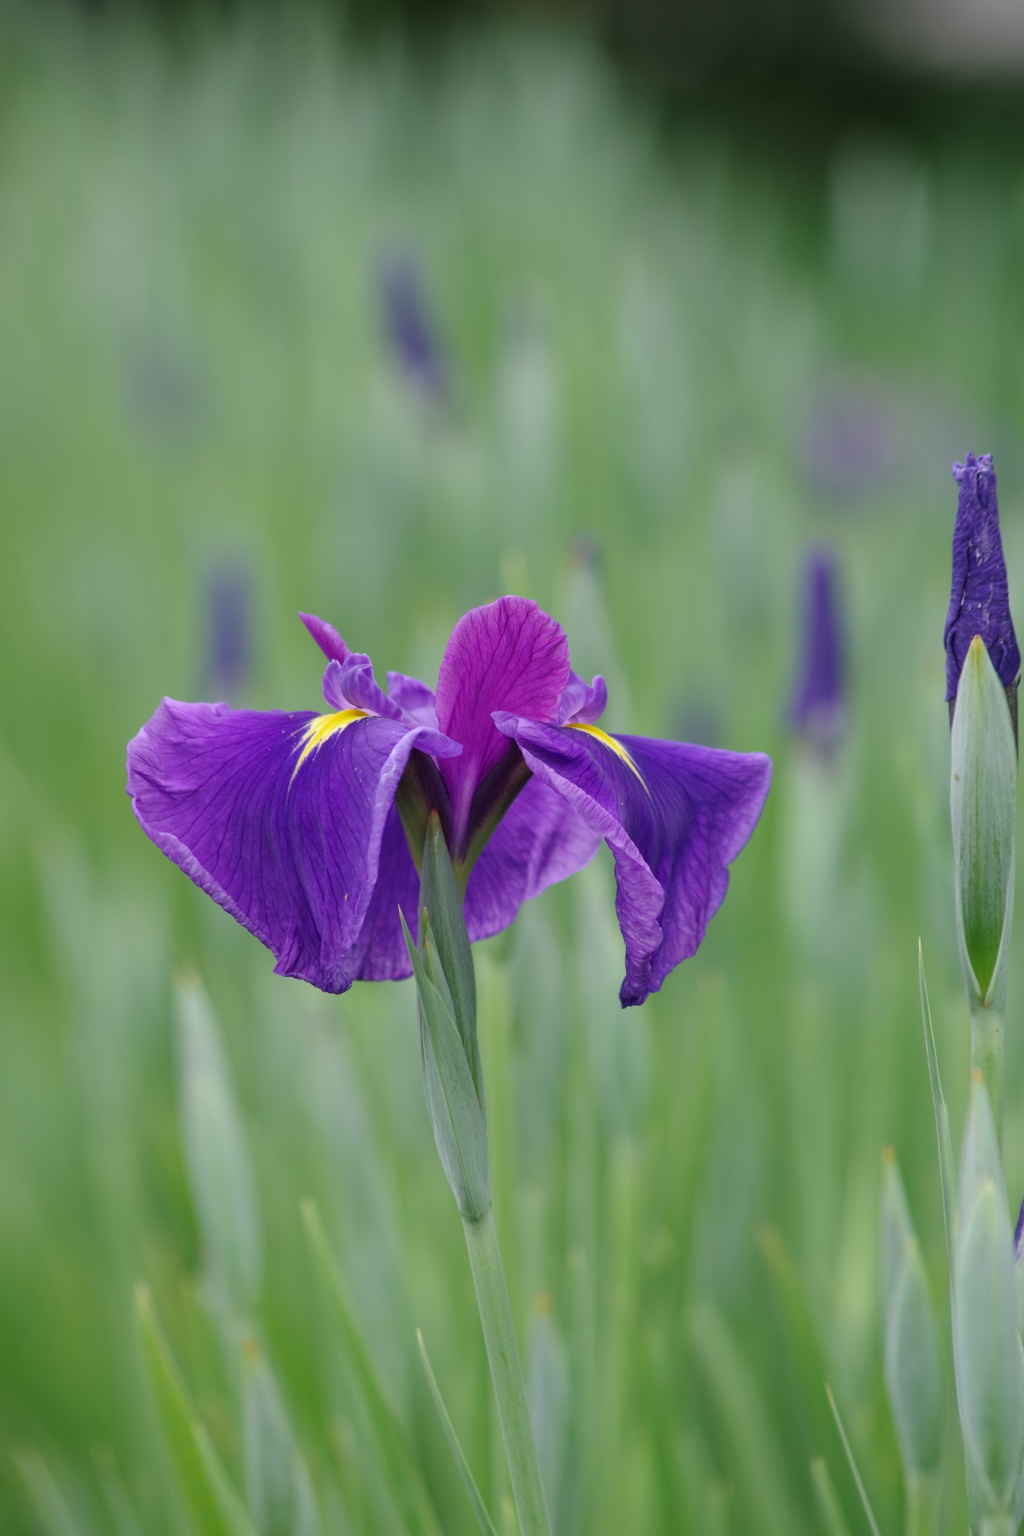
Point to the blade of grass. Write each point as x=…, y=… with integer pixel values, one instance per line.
x=853, y=1465
x=404, y=1477
x=212, y=1506
x=468, y=1481
x=47, y=1501
x=947, y=1167
x=828, y=1500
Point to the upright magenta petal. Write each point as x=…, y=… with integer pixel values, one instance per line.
x=674, y=816
x=510, y=656
x=539, y=841
x=284, y=830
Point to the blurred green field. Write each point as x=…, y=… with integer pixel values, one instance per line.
x=698, y=360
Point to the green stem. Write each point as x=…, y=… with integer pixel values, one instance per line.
x=987, y=1057
x=507, y=1374
x=922, y=1503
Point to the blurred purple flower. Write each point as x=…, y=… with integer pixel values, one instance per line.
x=979, y=602
x=1018, y=1235
x=413, y=339
x=851, y=443
x=228, y=644
x=301, y=825
x=818, y=709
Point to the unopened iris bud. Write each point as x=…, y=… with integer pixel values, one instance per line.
x=818, y=710
x=410, y=331
x=913, y=1375
x=979, y=599
x=987, y=1346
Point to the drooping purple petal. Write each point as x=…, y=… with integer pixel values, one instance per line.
x=583, y=702
x=818, y=703
x=1018, y=1232
x=979, y=600
x=326, y=637
x=510, y=656
x=539, y=841
x=414, y=699
x=287, y=840
x=674, y=816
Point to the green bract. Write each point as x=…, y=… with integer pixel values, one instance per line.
x=983, y=793
x=987, y=1346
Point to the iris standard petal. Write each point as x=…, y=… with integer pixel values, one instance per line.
x=279, y=817
x=539, y=841
x=413, y=698
x=352, y=685
x=583, y=702
x=509, y=655
x=674, y=816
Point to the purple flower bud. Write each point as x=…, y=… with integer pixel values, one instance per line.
x=412, y=337
x=228, y=648
x=818, y=707
x=979, y=602
x=1018, y=1234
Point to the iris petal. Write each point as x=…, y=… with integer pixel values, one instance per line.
x=674, y=817
x=509, y=655
x=294, y=856
x=539, y=841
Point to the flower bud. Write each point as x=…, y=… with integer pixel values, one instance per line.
x=979, y=599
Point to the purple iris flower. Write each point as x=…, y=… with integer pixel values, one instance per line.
x=979, y=603
x=411, y=334
x=818, y=704
x=308, y=827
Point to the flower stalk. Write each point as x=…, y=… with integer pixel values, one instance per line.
x=453, y=1081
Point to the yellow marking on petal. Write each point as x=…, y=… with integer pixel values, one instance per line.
x=609, y=741
x=324, y=726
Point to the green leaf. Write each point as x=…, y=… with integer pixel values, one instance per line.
x=276, y=1482
x=828, y=1501
x=947, y=1165
x=460, y=1130
x=748, y=1427
x=46, y=1499
x=212, y=1506
x=403, y=1475
x=216, y=1151
x=468, y=1481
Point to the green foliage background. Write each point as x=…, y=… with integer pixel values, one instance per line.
x=686, y=351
